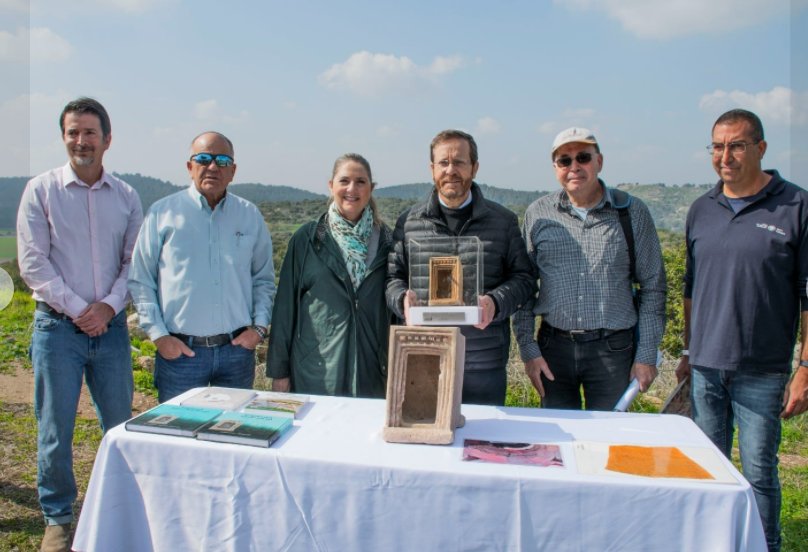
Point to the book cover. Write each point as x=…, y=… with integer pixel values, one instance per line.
x=172, y=419
x=277, y=404
x=222, y=398
x=245, y=429
x=525, y=454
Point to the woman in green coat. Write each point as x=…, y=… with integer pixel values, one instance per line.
x=330, y=321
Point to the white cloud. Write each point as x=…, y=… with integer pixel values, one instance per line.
x=488, y=125
x=664, y=19
x=443, y=65
x=779, y=105
x=40, y=44
x=368, y=74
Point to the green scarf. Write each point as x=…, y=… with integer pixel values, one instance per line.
x=352, y=240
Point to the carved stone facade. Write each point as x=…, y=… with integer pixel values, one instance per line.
x=424, y=385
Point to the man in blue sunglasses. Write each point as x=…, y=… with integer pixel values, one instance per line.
x=202, y=277
x=591, y=244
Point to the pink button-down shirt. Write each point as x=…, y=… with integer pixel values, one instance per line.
x=75, y=240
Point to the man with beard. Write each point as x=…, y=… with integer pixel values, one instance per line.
x=456, y=207
x=76, y=228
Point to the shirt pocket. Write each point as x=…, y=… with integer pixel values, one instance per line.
x=240, y=247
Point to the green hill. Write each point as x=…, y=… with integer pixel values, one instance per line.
x=668, y=204
x=420, y=190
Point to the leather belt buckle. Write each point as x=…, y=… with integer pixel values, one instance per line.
x=578, y=335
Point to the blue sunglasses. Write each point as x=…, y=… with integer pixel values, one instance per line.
x=205, y=159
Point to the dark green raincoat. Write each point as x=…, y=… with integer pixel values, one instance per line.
x=325, y=336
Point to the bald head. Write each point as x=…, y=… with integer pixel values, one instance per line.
x=210, y=134
x=209, y=176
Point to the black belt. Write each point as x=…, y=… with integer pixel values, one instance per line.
x=579, y=335
x=42, y=306
x=209, y=340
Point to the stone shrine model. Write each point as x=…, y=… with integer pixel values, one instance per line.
x=445, y=281
x=424, y=385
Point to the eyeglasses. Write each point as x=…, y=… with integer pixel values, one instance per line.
x=582, y=157
x=734, y=147
x=205, y=159
x=458, y=163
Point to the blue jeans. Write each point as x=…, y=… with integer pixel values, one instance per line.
x=601, y=367
x=223, y=366
x=753, y=400
x=62, y=355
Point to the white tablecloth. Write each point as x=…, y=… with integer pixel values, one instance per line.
x=332, y=484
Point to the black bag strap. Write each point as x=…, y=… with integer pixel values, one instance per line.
x=622, y=201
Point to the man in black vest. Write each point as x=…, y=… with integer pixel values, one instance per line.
x=581, y=248
x=456, y=207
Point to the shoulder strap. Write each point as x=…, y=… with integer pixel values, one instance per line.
x=622, y=201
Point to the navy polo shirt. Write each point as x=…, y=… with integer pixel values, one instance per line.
x=746, y=275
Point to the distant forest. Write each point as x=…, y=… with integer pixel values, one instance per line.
x=668, y=204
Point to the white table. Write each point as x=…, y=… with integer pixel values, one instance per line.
x=332, y=484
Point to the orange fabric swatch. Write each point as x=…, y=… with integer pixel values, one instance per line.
x=654, y=462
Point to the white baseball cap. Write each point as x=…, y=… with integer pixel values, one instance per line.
x=576, y=135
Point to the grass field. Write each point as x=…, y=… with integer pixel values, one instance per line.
x=21, y=522
x=8, y=247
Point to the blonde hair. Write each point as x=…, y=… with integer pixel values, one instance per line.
x=356, y=158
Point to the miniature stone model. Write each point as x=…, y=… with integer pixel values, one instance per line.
x=445, y=281
x=424, y=385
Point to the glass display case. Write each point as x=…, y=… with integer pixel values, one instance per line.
x=446, y=275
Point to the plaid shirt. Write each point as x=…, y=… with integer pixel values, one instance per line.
x=584, y=280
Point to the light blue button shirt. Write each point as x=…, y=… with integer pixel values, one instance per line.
x=199, y=271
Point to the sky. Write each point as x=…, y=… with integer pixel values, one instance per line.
x=296, y=84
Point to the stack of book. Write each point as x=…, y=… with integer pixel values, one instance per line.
x=239, y=416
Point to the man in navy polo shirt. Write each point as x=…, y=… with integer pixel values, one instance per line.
x=747, y=265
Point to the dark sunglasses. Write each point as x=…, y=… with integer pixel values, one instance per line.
x=204, y=159
x=583, y=157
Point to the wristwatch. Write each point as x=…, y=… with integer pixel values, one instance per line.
x=685, y=352
x=261, y=331
x=804, y=363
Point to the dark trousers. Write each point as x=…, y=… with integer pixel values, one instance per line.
x=485, y=386
x=602, y=366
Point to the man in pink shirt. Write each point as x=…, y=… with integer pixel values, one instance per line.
x=76, y=228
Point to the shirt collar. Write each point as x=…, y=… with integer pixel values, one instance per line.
x=466, y=203
x=775, y=186
x=69, y=177
x=200, y=200
x=563, y=199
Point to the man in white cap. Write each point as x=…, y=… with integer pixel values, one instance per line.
x=591, y=244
